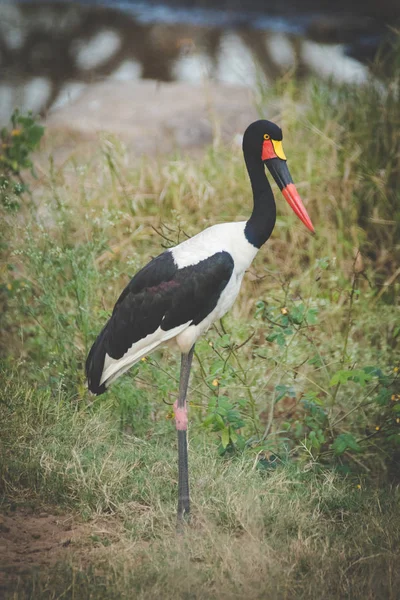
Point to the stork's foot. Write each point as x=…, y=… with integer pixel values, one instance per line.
x=183, y=515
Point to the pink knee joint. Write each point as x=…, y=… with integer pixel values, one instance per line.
x=181, y=418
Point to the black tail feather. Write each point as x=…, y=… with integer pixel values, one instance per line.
x=95, y=364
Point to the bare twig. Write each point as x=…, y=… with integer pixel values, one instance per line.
x=270, y=416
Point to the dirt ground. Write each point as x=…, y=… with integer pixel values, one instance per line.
x=37, y=540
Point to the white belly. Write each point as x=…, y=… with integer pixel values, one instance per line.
x=189, y=336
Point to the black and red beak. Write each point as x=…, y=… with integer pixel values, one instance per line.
x=275, y=159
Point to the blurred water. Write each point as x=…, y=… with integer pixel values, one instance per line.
x=50, y=52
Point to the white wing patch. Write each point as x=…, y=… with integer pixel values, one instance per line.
x=114, y=367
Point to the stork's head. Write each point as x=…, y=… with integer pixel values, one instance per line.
x=262, y=141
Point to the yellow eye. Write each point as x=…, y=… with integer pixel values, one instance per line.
x=266, y=136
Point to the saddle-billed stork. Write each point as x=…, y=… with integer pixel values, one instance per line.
x=177, y=295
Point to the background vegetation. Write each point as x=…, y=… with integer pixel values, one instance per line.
x=294, y=398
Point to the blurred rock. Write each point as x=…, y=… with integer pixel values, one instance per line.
x=156, y=118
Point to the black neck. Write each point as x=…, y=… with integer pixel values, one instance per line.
x=262, y=221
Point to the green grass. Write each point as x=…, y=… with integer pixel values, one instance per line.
x=294, y=397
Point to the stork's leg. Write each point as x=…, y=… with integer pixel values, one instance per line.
x=181, y=420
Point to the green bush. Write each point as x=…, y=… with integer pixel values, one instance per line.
x=17, y=145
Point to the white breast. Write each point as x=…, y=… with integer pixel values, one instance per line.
x=226, y=237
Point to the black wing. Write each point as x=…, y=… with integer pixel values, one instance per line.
x=163, y=295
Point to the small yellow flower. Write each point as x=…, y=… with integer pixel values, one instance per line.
x=143, y=359
x=284, y=310
x=210, y=344
x=396, y=370
x=9, y=286
x=398, y=420
x=358, y=486
x=16, y=132
x=215, y=383
x=377, y=428
x=393, y=397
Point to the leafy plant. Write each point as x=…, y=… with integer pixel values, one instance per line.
x=225, y=418
x=17, y=145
